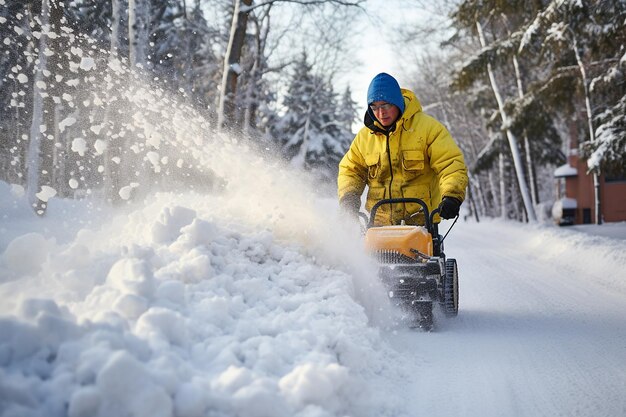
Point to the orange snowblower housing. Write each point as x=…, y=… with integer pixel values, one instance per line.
x=408, y=241
x=403, y=240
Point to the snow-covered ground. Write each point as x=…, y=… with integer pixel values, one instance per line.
x=541, y=330
x=186, y=306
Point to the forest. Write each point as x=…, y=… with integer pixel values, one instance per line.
x=116, y=98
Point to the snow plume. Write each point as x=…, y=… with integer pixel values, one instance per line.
x=128, y=133
x=124, y=125
x=247, y=295
x=245, y=186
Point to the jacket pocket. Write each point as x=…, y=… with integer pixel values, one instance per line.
x=413, y=160
x=373, y=165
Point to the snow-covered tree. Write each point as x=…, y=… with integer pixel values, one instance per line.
x=347, y=113
x=184, y=51
x=488, y=64
x=92, y=18
x=582, y=42
x=232, y=67
x=314, y=132
x=47, y=93
x=16, y=68
x=139, y=30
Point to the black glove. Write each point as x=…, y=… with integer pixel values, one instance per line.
x=350, y=204
x=449, y=207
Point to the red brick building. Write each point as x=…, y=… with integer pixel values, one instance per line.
x=575, y=195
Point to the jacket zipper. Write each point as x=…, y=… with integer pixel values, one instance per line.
x=391, y=177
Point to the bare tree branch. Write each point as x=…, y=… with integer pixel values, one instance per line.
x=355, y=3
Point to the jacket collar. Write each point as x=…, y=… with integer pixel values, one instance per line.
x=370, y=121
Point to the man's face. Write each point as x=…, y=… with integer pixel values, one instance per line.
x=386, y=113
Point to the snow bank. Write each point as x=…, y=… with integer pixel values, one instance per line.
x=600, y=259
x=595, y=253
x=168, y=310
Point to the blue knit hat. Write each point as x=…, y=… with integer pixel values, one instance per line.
x=385, y=88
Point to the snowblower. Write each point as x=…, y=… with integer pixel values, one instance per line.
x=412, y=265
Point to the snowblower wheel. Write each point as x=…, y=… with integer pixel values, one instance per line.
x=451, y=289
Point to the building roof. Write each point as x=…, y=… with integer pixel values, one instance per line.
x=565, y=171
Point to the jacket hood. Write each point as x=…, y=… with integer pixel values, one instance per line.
x=385, y=88
x=411, y=106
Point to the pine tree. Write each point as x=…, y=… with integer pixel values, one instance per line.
x=347, y=113
x=489, y=66
x=183, y=51
x=582, y=44
x=90, y=18
x=608, y=86
x=311, y=134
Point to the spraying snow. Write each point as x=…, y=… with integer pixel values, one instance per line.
x=239, y=301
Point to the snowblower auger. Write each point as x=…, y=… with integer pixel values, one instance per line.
x=413, y=266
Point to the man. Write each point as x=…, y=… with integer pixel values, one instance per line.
x=401, y=152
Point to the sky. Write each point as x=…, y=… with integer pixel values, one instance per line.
x=376, y=43
x=376, y=47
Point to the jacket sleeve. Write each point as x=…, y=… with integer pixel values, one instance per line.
x=352, y=175
x=446, y=159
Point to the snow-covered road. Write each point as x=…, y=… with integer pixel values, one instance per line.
x=541, y=330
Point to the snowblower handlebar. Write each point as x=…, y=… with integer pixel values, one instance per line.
x=428, y=216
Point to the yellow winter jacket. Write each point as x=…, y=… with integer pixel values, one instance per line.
x=418, y=159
